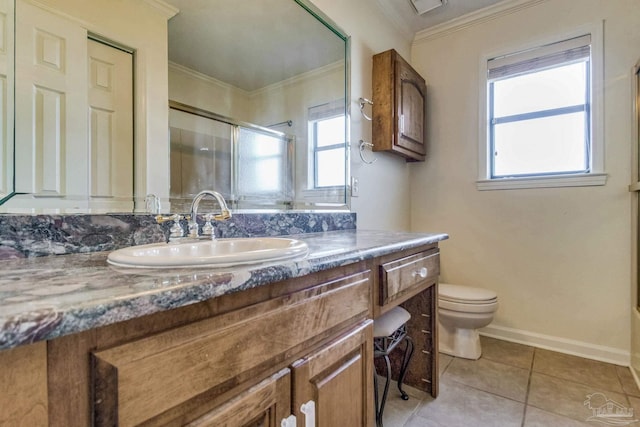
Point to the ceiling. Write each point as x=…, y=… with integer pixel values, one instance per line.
x=402, y=13
x=225, y=39
x=250, y=44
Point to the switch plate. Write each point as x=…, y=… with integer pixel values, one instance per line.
x=355, y=187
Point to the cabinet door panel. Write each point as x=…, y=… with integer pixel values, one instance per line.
x=264, y=405
x=411, y=102
x=338, y=378
x=23, y=381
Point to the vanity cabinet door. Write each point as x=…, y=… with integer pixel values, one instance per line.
x=23, y=381
x=264, y=405
x=335, y=383
x=399, y=107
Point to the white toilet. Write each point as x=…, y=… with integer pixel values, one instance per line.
x=462, y=310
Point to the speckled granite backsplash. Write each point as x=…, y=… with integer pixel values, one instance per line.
x=27, y=236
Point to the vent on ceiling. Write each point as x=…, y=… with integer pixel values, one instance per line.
x=424, y=6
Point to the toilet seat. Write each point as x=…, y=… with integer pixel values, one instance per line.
x=466, y=299
x=463, y=307
x=466, y=294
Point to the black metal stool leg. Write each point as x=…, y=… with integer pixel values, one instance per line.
x=375, y=392
x=408, y=352
x=385, y=392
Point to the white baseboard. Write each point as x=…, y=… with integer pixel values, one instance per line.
x=562, y=345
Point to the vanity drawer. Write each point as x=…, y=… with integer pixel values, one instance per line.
x=400, y=276
x=143, y=379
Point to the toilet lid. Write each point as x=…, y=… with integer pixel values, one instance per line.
x=467, y=294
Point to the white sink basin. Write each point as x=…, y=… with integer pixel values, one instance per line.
x=208, y=253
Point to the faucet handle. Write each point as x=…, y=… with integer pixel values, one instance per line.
x=176, y=230
x=207, y=228
x=175, y=217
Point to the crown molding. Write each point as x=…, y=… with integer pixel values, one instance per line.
x=163, y=7
x=313, y=74
x=486, y=14
x=205, y=78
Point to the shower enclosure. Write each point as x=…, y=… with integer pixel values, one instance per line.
x=250, y=165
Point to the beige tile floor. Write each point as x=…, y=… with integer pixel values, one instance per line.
x=515, y=385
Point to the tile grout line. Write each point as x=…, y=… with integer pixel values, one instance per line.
x=626, y=395
x=526, y=397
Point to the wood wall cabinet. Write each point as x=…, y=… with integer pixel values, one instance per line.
x=399, y=107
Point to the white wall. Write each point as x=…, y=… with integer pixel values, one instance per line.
x=558, y=258
x=198, y=90
x=384, y=191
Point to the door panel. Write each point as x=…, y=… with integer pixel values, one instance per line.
x=110, y=126
x=411, y=103
x=51, y=99
x=264, y=405
x=338, y=378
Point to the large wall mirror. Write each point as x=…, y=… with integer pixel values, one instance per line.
x=259, y=104
x=7, y=46
x=259, y=110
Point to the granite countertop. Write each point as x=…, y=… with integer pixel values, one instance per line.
x=48, y=297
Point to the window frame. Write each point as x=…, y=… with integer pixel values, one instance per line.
x=317, y=150
x=595, y=174
x=327, y=111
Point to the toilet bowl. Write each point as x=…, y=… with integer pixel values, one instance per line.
x=462, y=310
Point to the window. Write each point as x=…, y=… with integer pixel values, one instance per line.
x=327, y=134
x=539, y=118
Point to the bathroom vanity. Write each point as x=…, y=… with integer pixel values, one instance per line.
x=89, y=344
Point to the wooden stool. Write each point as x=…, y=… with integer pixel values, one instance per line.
x=388, y=331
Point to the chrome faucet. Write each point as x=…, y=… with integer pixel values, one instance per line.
x=207, y=229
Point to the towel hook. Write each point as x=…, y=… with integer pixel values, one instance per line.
x=362, y=102
x=362, y=145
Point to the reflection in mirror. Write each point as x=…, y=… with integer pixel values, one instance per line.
x=6, y=97
x=251, y=166
x=73, y=113
x=264, y=100
x=273, y=64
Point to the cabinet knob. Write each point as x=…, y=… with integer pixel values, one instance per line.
x=423, y=272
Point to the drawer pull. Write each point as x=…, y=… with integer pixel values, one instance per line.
x=290, y=421
x=423, y=272
x=309, y=411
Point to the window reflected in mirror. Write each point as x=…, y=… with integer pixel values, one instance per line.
x=326, y=132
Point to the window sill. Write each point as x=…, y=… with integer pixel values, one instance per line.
x=578, y=180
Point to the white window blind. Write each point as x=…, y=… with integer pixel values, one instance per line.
x=324, y=111
x=540, y=58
